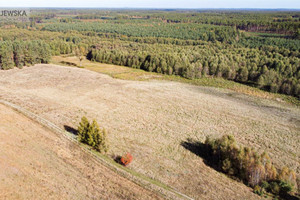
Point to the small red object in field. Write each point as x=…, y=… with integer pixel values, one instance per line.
x=126, y=159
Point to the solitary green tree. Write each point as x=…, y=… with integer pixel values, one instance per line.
x=83, y=129
x=80, y=53
x=91, y=134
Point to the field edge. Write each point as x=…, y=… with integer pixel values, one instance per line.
x=147, y=183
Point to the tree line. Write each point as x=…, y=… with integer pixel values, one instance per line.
x=268, y=68
x=23, y=53
x=179, y=31
x=146, y=40
x=258, y=21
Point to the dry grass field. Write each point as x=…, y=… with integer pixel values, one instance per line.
x=36, y=163
x=128, y=73
x=151, y=119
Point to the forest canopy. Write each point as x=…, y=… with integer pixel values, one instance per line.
x=257, y=48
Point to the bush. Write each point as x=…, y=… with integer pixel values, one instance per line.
x=258, y=190
x=285, y=187
x=280, y=187
x=265, y=185
x=274, y=188
x=91, y=134
x=126, y=159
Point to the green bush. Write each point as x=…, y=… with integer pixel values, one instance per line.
x=91, y=134
x=274, y=188
x=259, y=190
x=279, y=187
x=265, y=185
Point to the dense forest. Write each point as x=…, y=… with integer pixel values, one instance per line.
x=19, y=53
x=258, y=48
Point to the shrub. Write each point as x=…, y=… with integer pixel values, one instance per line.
x=258, y=190
x=274, y=188
x=126, y=159
x=91, y=134
x=265, y=185
x=285, y=187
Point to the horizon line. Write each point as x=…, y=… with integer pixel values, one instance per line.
x=241, y=8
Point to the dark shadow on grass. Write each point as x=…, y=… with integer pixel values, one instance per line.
x=117, y=159
x=195, y=147
x=68, y=63
x=289, y=197
x=71, y=129
x=201, y=150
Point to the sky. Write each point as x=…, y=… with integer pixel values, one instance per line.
x=294, y=4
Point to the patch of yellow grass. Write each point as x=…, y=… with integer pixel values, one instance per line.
x=127, y=73
x=114, y=71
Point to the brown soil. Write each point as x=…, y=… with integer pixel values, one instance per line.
x=36, y=163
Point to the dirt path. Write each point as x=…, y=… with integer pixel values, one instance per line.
x=36, y=163
x=152, y=119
